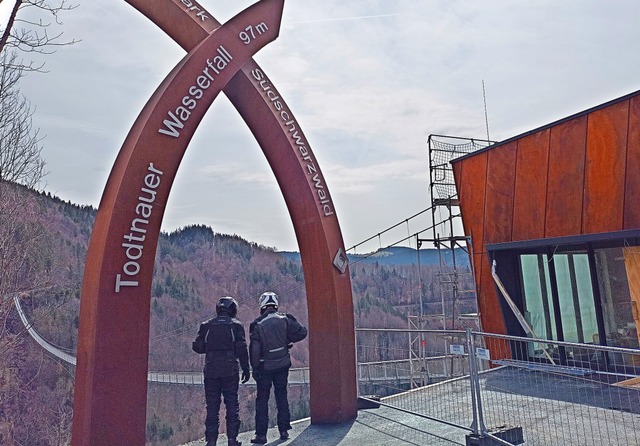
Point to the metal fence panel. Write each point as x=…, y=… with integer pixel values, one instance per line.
x=558, y=393
x=429, y=381
x=562, y=393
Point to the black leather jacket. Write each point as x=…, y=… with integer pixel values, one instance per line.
x=270, y=337
x=222, y=340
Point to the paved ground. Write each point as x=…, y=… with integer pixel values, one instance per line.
x=374, y=427
x=552, y=410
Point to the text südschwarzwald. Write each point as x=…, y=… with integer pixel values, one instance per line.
x=298, y=140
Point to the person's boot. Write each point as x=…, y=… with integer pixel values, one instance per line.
x=284, y=435
x=259, y=439
x=234, y=442
x=212, y=441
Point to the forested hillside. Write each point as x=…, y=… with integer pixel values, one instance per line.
x=194, y=267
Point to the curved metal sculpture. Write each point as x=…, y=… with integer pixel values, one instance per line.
x=110, y=393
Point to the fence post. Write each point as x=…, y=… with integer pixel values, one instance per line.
x=504, y=435
x=476, y=403
x=483, y=428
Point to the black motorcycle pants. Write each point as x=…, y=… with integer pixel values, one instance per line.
x=215, y=389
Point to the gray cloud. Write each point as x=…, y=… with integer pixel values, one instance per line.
x=368, y=81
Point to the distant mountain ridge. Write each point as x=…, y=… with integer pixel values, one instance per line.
x=401, y=256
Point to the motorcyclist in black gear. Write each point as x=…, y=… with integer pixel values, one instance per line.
x=222, y=340
x=271, y=336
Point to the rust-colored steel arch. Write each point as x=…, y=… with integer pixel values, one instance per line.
x=113, y=341
x=333, y=392
x=110, y=394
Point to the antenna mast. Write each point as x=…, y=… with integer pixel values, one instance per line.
x=486, y=116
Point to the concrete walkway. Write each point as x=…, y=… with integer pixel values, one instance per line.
x=372, y=427
x=552, y=409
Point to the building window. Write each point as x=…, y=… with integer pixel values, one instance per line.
x=575, y=298
x=618, y=308
x=538, y=311
x=559, y=300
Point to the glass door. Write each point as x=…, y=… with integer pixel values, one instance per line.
x=620, y=311
x=538, y=304
x=559, y=300
x=575, y=298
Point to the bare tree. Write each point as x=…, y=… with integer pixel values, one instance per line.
x=30, y=29
x=21, y=163
x=23, y=259
x=26, y=31
x=23, y=253
x=20, y=150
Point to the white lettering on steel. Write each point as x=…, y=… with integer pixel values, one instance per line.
x=192, y=6
x=177, y=118
x=297, y=138
x=133, y=243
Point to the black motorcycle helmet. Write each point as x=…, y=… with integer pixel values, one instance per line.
x=227, y=305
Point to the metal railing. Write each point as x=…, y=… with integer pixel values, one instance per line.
x=297, y=376
x=506, y=388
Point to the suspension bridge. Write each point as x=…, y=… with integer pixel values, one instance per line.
x=398, y=371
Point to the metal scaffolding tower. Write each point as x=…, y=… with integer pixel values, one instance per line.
x=447, y=236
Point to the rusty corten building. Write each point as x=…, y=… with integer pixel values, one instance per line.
x=558, y=210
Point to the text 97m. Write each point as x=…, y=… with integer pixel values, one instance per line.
x=252, y=31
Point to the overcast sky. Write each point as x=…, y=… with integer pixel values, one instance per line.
x=368, y=81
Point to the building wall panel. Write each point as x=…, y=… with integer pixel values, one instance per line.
x=565, y=182
x=531, y=186
x=632, y=176
x=605, y=169
x=501, y=169
x=470, y=177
